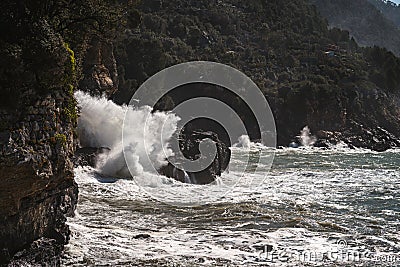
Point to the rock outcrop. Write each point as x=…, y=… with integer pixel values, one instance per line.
x=189, y=146
x=359, y=135
x=99, y=69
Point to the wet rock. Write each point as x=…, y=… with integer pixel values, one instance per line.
x=142, y=236
x=86, y=156
x=189, y=146
x=173, y=172
x=322, y=144
x=43, y=250
x=359, y=135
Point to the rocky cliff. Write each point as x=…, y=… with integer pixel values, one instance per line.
x=39, y=72
x=37, y=142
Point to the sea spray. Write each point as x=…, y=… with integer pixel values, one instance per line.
x=306, y=138
x=101, y=124
x=244, y=142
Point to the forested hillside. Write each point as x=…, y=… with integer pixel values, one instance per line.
x=363, y=20
x=390, y=9
x=311, y=75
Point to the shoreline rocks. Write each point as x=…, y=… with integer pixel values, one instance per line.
x=358, y=135
x=189, y=146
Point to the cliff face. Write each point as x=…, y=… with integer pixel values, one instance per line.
x=39, y=72
x=36, y=144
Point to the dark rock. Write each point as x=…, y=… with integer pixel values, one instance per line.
x=189, y=146
x=37, y=143
x=43, y=250
x=100, y=76
x=359, y=135
x=142, y=236
x=322, y=144
x=375, y=138
x=86, y=156
x=173, y=172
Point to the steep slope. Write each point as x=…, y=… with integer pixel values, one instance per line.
x=363, y=20
x=389, y=9
x=38, y=118
x=310, y=75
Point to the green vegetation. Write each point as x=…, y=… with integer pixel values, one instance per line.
x=70, y=110
x=387, y=68
x=370, y=25
x=38, y=38
x=61, y=139
x=311, y=74
x=70, y=65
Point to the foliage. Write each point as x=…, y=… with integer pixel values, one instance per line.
x=61, y=138
x=311, y=74
x=390, y=9
x=370, y=25
x=386, y=74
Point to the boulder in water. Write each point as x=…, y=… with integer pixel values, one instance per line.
x=189, y=146
x=294, y=145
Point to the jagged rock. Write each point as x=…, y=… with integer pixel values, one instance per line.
x=189, y=146
x=86, y=156
x=142, y=236
x=375, y=138
x=37, y=189
x=100, y=76
x=359, y=135
x=43, y=250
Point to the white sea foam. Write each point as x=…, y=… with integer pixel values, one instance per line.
x=306, y=138
x=243, y=141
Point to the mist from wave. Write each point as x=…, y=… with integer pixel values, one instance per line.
x=101, y=124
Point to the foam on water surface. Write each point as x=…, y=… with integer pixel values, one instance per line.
x=298, y=210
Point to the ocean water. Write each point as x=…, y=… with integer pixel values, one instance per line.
x=316, y=207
